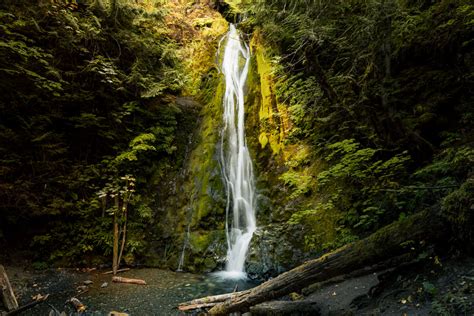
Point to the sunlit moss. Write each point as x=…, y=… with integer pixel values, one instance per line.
x=203, y=162
x=197, y=30
x=274, y=119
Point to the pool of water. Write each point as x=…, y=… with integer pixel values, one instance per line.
x=163, y=292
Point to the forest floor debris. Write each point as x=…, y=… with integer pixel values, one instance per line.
x=443, y=286
x=163, y=292
x=117, y=279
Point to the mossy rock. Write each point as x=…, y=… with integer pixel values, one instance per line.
x=199, y=241
x=210, y=263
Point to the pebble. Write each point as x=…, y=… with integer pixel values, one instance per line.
x=87, y=282
x=105, y=284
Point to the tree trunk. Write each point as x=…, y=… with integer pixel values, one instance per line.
x=320, y=75
x=208, y=301
x=28, y=306
x=386, y=266
x=116, y=238
x=124, y=233
x=383, y=244
x=8, y=297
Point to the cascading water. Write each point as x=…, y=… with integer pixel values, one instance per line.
x=236, y=163
x=185, y=244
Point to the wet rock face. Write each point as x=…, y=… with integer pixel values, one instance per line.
x=274, y=249
x=206, y=251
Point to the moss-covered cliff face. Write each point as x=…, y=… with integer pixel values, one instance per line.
x=287, y=169
x=190, y=204
x=317, y=190
x=193, y=202
x=356, y=125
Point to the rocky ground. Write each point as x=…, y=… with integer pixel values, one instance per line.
x=161, y=295
x=430, y=287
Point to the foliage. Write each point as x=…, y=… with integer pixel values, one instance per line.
x=299, y=183
x=383, y=97
x=85, y=101
x=370, y=177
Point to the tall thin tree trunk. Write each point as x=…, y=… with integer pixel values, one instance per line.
x=116, y=237
x=124, y=231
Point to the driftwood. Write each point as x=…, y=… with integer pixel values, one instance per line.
x=205, y=302
x=25, y=307
x=118, y=271
x=387, y=242
x=117, y=279
x=78, y=305
x=6, y=291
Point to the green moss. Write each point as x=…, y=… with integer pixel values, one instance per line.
x=204, y=187
x=263, y=139
x=457, y=209
x=234, y=4
x=270, y=113
x=199, y=241
x=210, y=263
x=203, y=245
x=288, y=167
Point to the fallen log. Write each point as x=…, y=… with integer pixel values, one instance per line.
x=25, y=307
x=117, y=279
x=205, y=302
x=77, y=304
x=385, y=266
x=386, y=243
x=192, y=307
x=210, y=299
x=6, y=291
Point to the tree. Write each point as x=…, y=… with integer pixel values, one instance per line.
x=118, y=195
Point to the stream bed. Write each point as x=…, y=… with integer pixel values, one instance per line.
x=163, y=292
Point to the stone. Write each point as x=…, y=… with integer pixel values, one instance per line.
x=104, y=285
x=87, y=282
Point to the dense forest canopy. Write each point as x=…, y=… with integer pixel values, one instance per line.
x=378, y=92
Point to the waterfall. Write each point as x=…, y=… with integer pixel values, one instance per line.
x=235, y=159
x=185, y=243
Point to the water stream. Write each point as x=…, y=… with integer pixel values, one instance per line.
x=236, y=163
x=185, y=244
